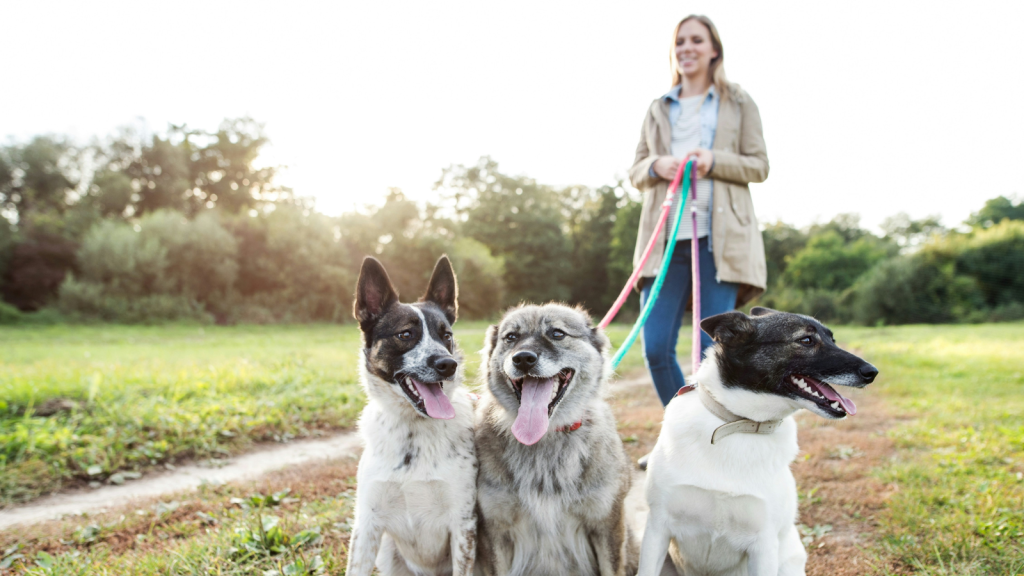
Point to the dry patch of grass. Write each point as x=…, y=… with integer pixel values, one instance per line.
x=295, y=521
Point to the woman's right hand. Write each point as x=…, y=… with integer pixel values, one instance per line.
x=666, y=167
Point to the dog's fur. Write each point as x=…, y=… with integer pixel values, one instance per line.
x=557, y=506
x=730, y=508
x=416, y=488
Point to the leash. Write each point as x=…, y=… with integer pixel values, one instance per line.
x=666, y=207
x=689, y=184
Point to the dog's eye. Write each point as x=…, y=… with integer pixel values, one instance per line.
x=511, y=337
x=447, y=336
x=407, y=335
x=557, y=334
x=806, y=341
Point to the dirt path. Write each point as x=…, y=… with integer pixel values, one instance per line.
x=246, y=466
x=833, y=473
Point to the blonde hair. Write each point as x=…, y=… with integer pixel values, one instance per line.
x=716, y=70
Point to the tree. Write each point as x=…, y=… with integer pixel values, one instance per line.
x=38, y=177
x=909, y=233
x=520, y=221
x=591, y=218
x=829, y=262
x=995, y=211
x=781, y=242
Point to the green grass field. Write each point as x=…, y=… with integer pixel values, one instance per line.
x=144, y=396
x=137, y=397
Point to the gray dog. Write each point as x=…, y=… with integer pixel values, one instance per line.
x=553, y=474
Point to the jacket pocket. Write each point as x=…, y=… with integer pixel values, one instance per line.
x=740, y=203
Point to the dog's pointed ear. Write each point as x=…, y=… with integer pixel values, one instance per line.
x=762, y=311
x=374, y=294
x=443, y=289
x=728, y=328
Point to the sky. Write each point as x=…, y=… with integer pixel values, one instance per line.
x=867, y=107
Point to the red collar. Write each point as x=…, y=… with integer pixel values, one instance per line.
x=574, y=426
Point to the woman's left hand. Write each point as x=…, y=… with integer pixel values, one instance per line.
x=705, y=159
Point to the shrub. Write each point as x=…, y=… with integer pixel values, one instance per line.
x=920, y=288
x=481, y=279
x=995, y=258
x=90, y=301
x=9, y=314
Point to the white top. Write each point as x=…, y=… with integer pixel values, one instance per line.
x=686, y=138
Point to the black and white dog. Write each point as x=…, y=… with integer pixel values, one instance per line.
x=416, y=491
x=723, y=500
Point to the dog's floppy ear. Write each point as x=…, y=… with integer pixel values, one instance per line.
x=762, y=311
x=490, y=343
x=728, y=328
x=443, y=289
x=374, y=294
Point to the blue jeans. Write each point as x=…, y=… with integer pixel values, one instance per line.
x=661, y=332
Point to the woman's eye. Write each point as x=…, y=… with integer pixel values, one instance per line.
x=407, y=335
x=557, y=334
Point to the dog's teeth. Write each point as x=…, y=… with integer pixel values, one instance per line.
x=834, y=405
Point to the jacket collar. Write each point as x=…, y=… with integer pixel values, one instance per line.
x=673, y=93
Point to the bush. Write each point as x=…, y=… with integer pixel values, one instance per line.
x=829, y=262
x=481, y=279
x=825, y=305
x=920, y=288
x=89, y=301
x=9, y=314
x=995, y=258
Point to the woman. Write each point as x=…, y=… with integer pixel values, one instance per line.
x=705, y=116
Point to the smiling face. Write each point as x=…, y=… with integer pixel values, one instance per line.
x=786, y=359
x=694, y=50
x=544, y=363
x=410, y=354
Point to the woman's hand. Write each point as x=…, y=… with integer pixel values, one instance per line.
x=705, y=159
x=666, y=167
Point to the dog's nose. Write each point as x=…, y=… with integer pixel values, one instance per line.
x=868, y=373
x=445, y=367
x=524, y=360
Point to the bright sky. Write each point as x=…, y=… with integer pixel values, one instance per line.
x=869, y=107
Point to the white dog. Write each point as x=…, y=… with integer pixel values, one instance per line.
x=723, y=501
x=416, y=485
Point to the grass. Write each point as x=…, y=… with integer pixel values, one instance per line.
x=958, y=475
x=81, y=404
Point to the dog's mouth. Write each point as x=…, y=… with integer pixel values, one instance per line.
x=822, y=395
x=428, y=398
x=538, y=398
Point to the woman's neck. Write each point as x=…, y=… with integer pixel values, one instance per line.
x=694, y=86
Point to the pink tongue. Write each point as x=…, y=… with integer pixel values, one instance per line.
x=834, y=396
x=532, y=421
x=435, y=400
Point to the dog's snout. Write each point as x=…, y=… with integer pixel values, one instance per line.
x=445, y=366
x=868, y=373
x=524, y=359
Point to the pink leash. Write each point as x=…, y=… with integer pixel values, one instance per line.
x=666, y=207
x=695, y=272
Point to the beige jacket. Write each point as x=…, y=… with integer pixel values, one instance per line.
x=740, y=158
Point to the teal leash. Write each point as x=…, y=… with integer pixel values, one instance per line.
x=660, y=279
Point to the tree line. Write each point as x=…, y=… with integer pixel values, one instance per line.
x=184, y=225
